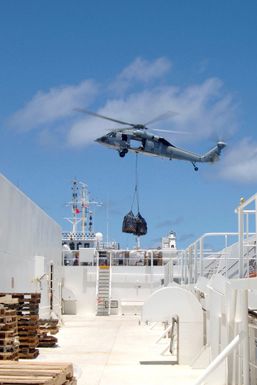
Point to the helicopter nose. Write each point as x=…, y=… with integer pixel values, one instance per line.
x=102, y=139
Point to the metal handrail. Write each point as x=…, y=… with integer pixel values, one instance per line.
x=219, y=359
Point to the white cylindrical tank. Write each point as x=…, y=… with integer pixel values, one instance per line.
x=165, y=303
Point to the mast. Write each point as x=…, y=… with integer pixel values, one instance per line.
x=84, y=207
x=80, y=205
x=74, y=207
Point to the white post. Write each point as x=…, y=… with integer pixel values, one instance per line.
x=247, y=245
x=226, y=254
x=255, y=234
x=171, y=262
x=138, y=242
x=252, y=338
x=151, y=269
x=97, y=273
x=190, y=264
x=201, y=256
x=244, y=329
x=195, y=257
x=186, y=267
x=151, y=260
x=110, y=282
x=182, y=266
x=231, y=300
x=241, y=241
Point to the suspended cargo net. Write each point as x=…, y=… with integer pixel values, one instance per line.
x=129, y=224
x=134, y=224
x=141, y=225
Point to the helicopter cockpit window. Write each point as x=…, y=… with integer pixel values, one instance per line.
x=111, y=134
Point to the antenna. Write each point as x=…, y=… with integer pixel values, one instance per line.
x=84, y=206
x=85, y=212
x=80, y=204
x=74, y=207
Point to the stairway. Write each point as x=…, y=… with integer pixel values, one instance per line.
x=103, y=297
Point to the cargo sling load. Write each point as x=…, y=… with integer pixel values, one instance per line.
x=134, y=224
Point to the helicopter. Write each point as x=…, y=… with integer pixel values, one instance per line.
x=135, y=138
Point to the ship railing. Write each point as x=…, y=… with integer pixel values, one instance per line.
x=198, y=259
x=219, y=359
x=128, y=258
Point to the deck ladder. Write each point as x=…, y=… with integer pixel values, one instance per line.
x=103, y=291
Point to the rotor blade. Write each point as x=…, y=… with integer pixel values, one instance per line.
x=119, y=129
x=166, y=115
x=102, y=116
x=171, y=131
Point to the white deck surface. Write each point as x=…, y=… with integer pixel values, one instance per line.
x=108, y=351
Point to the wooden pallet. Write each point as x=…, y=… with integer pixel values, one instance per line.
x=36, y=373
x=46, y=341
x=46, y=327
x=9, y=343
x=49, y=325
x=26, y=306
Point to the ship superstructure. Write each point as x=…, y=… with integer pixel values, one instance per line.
x=205, y=295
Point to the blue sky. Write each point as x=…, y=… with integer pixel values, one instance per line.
x=133, y=61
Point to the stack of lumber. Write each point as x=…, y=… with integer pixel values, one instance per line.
x=9, y=342
x=46, y=327
x=27, y=309
x=36, y=373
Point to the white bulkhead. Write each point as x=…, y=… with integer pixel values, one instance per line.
x=30, y=248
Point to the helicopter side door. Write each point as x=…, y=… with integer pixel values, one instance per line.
x=148, y=146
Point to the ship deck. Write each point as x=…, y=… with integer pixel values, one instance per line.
x=116, y=350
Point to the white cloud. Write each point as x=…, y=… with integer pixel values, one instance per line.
x=141, y=71
x=203, y=109
x=57, y=103
x=240, y=162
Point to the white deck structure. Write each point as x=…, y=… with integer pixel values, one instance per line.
x=30, y=248
x=108, y=351
x=220, y=283
x=223, y=284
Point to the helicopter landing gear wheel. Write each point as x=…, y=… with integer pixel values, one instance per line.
x=123, y=153
x=195, y=167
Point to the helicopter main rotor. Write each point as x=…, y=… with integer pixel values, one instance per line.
x=138, y=126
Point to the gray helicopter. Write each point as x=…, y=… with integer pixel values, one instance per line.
x=135, y=138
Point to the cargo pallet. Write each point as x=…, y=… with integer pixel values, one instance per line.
x=36, y=373
x=26, y=306
x=9, y=342
x=46, y=327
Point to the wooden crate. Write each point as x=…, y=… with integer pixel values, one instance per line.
x=36, y=373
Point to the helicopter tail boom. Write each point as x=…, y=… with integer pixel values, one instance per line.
x=214, y=153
